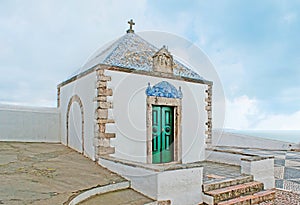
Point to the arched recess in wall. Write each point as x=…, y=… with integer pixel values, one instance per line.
x=71, y=123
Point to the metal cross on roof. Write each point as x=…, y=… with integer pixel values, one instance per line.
x=131, y=24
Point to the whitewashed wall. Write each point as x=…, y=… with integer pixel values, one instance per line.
x=129, y=113
x=85, y=88
x=29, y=124
x=181, y=186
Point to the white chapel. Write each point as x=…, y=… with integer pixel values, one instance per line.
x=140, y=112
x=137, y=110
x=132, y=101
x=130, y=110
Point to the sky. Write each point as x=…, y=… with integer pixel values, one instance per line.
x=254, y=46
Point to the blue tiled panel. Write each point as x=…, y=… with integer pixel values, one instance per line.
x=164, y=89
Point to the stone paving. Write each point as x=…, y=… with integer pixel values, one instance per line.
x=213, y=171
x=40, y=173
x=286, y=198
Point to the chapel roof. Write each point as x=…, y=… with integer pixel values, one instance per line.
x=133, y=52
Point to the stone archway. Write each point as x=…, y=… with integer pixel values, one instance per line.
x=75, y=99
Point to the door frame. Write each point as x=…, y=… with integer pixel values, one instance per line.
x=177, y=105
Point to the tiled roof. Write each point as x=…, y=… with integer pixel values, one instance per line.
x=133, y=52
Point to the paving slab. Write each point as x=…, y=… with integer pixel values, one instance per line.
x=43, y=173
x=214, y=171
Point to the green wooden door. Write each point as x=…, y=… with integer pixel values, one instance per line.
x=162, y=134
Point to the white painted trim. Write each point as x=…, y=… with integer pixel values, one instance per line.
x=99, y=190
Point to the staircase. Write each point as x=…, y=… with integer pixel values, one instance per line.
x=241, y=190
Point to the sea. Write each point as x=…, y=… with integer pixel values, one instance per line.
x=292, y=136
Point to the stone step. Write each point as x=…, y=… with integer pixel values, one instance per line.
x=262, y=196
x=165, y=202
x=226, y=183
x=231, y=192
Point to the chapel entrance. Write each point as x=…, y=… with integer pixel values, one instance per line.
x=162, y=134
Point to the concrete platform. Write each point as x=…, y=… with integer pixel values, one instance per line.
x=43, y=173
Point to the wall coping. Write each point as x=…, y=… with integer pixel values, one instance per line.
x=12, y=107
x=247, y=157
x=152, y=167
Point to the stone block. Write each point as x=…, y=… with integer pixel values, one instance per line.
x=207, y=99
x=101, y=99
x=208, y=141
x=101, y=84
x=105, y=92
x=101, y=128
x=100, y=72
x=104, y=78
x=103, y=142
x=107, y=135
x=106, y=150
x=105, y=105
x=102, y=113
x=102, y=121
x=207, y=108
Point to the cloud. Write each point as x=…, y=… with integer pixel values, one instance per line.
x=280, y=122
x=245, y=113
x=241, y=112
x=289, y=18
x=253, y=46
x=43, y=42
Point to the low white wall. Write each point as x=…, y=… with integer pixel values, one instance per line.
x=29, y=124
x=221, y=138
x=181, y=186
x=262, y=171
